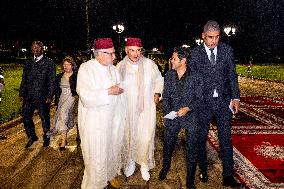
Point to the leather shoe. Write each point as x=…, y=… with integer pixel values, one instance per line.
x=190, y=184
x=163, y=174
x=231, y=181
x=2, y=137
x=203, y=177
x=191, y=187
x=62, y=148
x=46, y=142
x=114, y=183
x=78, y=140
x=31, y=141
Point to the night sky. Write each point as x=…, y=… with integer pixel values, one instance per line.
x=160, y=23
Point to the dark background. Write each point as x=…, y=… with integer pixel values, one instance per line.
x=160, y=23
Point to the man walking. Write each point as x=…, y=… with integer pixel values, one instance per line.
x=181, y=97
x=36, y=91
x=214, y=62
x=143, y=85
x=100, y=116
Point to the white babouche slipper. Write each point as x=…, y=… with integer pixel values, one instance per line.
x=129, y=170
x=145, y=173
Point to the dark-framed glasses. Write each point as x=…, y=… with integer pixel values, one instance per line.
x=109, y=53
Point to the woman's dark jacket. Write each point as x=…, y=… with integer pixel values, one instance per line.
x=72, y=82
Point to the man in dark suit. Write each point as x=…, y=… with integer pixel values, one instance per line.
x=214, y=62
x=181, y=96
x=36, y=91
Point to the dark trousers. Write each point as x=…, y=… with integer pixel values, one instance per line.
x=171, y=131
x=219, y=110
x=27, y=113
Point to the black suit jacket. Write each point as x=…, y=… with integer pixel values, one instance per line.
x=188, y=96
x=38, y=80
x=222, y=76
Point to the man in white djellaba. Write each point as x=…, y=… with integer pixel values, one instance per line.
x=100, y=116
x=143, y=84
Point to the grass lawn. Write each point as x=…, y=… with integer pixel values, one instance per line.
x=267, y=72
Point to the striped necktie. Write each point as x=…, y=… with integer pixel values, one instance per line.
x=212, y=57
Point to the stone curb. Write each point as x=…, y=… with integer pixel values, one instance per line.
x=10, y=124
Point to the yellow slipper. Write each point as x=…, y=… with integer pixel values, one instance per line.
x=114, y=183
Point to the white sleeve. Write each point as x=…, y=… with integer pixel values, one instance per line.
x=89, y=96
x=159, y=80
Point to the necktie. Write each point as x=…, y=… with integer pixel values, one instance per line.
x=212, y=57
x=35, y=59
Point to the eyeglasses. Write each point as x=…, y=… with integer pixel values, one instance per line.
x=111, y=54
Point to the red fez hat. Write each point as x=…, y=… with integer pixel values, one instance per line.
x=103, y=43
x=132, y=41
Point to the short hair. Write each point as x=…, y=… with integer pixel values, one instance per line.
x=71, y=61
x=182, y=52
x=211, y=25
x=96, y=52
x=39, y=43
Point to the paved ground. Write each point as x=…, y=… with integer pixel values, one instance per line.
x=39, y=167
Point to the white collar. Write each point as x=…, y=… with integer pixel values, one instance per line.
x=101, y=66
x=39, y=57
x=207, y=49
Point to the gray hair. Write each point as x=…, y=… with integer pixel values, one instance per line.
x=211, y=25
x=96, y=53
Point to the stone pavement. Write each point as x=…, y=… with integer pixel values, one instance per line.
x=39, y=167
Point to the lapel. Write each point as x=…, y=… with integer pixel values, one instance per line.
x=219, y=58
x=40, y=62
x=204, y=55
x=207, y=65
x=220, y=54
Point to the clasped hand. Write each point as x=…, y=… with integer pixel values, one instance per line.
x=156, y=98
x=115, y=90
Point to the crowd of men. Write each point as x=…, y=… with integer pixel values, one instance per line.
x=117, y=107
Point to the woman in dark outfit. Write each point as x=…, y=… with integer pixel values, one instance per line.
x=65, y=92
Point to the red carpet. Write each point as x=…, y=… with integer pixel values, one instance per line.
x=244, y=121
x=260, y=101
x=277, y=112
x=265, y=152
x=258, y=140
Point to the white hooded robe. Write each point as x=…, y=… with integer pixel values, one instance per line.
x=100, y=118
x=140, y=83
